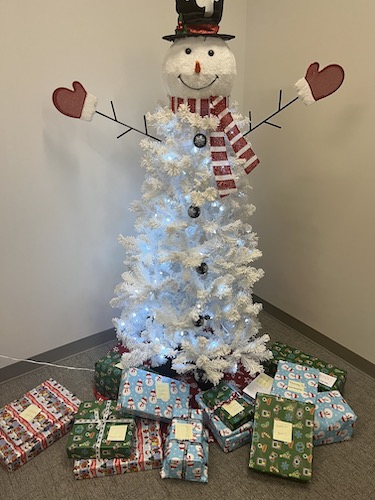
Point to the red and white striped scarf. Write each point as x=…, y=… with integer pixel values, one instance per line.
x=218, y=106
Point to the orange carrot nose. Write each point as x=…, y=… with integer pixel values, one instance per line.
x=197, y=67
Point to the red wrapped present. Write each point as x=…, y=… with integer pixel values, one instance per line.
x=32, y=423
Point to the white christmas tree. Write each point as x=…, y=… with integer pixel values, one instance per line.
x=187, y=289
x=186, y=293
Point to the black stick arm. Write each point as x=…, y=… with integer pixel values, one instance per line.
x=129, y=127
x=266, y=120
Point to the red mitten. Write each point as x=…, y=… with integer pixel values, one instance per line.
x=319, y=84
x=75, y=103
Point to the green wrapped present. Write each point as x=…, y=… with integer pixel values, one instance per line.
x=108, y=373
x=282, y=437
x=229, y=405
x=330, y=377
x=101, y=431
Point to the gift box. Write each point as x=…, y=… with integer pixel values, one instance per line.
x=334, y=419
x=150, y=395
x=227, y=439
x=228, y=404
x=101, y=431
x=32, y=423
x=186, y=448
x=147, y=454
x=330, y=377
x=296, y=382
x=283, y=437
x=108, y=371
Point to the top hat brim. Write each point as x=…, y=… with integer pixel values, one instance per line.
x=172, y=38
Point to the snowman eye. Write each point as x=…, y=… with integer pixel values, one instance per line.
x=211, y=53
x=187, y=51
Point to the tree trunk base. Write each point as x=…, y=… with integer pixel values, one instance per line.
x=166, y=370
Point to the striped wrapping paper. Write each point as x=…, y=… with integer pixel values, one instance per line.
x=32, y=423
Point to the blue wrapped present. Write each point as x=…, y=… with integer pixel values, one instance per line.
x=334, y=419
x=150, y=395
x=227, y=439
x=186, y=448
x=297, y=382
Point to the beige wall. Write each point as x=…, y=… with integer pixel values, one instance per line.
x=314, y=188
x=66, y=185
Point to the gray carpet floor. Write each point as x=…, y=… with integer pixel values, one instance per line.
x=340, y=471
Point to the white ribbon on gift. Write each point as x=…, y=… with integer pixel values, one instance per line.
x=101, y=422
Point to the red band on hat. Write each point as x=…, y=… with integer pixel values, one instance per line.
x=198, y=29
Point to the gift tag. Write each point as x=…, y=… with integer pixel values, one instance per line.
x=296, y=386
x=326, y=379
x=117, y=433
x=283, y=431
x=184, y=431
x=162, y=391
x=262, y=383
x=233, y=408
x=30, y=413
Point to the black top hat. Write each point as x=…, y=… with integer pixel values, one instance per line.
x=198, y=18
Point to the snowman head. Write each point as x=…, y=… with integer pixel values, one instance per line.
x=199, y=67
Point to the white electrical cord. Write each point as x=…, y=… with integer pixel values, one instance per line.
x=46, y=364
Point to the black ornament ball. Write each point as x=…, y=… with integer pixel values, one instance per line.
x=194, y=212
x=200, y=321
x=202, y=269
x=200, y=141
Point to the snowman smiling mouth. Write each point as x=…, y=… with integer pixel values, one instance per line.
x=198, y=88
